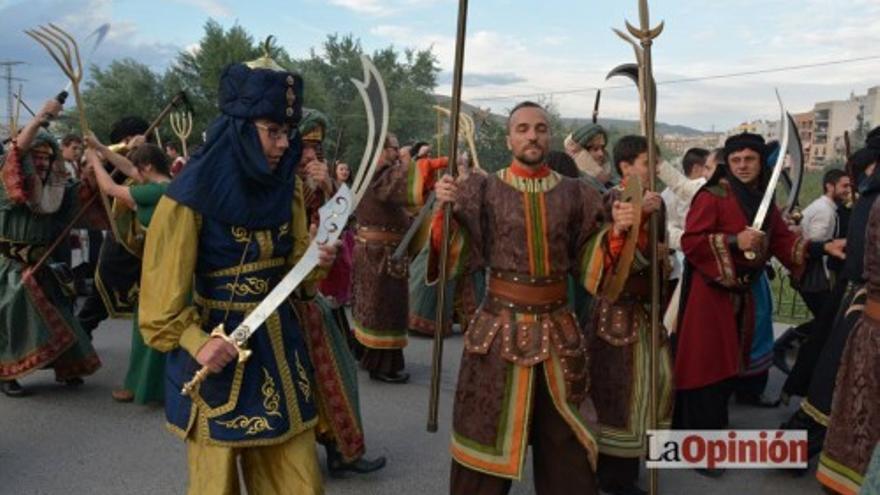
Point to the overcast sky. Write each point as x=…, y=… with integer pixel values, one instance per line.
x=516, y=49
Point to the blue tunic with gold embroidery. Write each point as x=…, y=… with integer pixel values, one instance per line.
x=227, y=270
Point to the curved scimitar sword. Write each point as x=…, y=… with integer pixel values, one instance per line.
x=770, y=192
x=333, y=218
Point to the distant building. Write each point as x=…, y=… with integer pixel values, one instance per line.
x=680, y=143
x=805, y=122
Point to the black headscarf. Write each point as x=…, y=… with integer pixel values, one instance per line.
x=748, y=195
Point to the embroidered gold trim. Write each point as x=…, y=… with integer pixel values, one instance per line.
x=253, y=424
x=271, y=399
x=238, y=307
x=528, y=185
x=284, y=229
x=250, y=286
x=303, y=379
x=240, y=234
x=722, y=258
x=256, y=266
x=273, y=326
x=264, y=239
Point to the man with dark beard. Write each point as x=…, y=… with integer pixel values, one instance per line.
x=524, y=376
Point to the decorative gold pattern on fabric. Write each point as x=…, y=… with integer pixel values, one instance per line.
x=271, y=399
x=264, y=239
x=250, y=286
x=718, y=244
x=303, y=379
x=284, y=229
x=238, y=307
x=240, y=234
x=524, y=184
x=256, y=266
x=297, y=425
x=252, y=424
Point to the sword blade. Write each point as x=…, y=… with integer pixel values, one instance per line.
x=770, y=192
x=334, y=215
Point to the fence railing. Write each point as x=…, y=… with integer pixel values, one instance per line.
x=787, y=303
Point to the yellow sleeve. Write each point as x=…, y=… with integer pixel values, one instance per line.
x=301, y=242
x=166, y=315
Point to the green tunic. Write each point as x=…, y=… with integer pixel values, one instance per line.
x=146, y=367
x=37, y=325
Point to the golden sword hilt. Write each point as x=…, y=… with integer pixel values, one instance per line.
x=243, y=355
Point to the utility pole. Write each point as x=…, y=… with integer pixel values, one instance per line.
x=10, y=105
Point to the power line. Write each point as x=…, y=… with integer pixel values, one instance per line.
x=686, y=79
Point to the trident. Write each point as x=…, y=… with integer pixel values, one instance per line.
x=64, y=50
x=182, y=125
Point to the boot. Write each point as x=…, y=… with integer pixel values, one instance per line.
x=337, y=466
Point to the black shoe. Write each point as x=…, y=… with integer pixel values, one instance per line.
x=401, y=377
x=74, y=382
x=337, y=467
x=12, y=388
x=359, y=466
x=711, y=473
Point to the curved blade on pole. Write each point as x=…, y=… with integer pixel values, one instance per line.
x=628, y=70
x=794, y=177
x=375, y=98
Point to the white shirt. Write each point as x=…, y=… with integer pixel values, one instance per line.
x=677, y=197
x=819, y=222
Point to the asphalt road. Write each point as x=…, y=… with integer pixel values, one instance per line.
x=63, y=440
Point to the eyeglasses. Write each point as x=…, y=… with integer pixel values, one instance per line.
x=274, y=133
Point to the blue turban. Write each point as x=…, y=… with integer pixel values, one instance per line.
x=229, y=179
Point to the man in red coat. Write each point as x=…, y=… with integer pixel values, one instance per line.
x=718, y=314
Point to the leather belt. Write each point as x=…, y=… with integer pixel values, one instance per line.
x=527, y=294
x=372, y=234
x=872, y=309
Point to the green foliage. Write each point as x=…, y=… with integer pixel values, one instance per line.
x=129, y=88
x=126, y=87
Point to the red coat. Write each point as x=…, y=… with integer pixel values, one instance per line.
x=709, y=347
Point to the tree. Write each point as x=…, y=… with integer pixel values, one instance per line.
x=197, y=72
x=125, y=88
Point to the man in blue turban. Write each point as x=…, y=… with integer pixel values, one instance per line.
x=232, y=224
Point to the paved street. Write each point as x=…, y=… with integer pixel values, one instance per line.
x=78, y=441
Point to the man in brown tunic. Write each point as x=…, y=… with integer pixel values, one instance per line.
x=524, y=374
x=381, y=285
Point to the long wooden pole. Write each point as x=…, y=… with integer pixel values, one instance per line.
x=646, y=37
x=455, y=110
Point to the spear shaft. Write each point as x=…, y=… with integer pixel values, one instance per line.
x=455, y=110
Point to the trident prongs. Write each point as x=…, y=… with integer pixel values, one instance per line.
x=64, y=50
x=181, y=124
